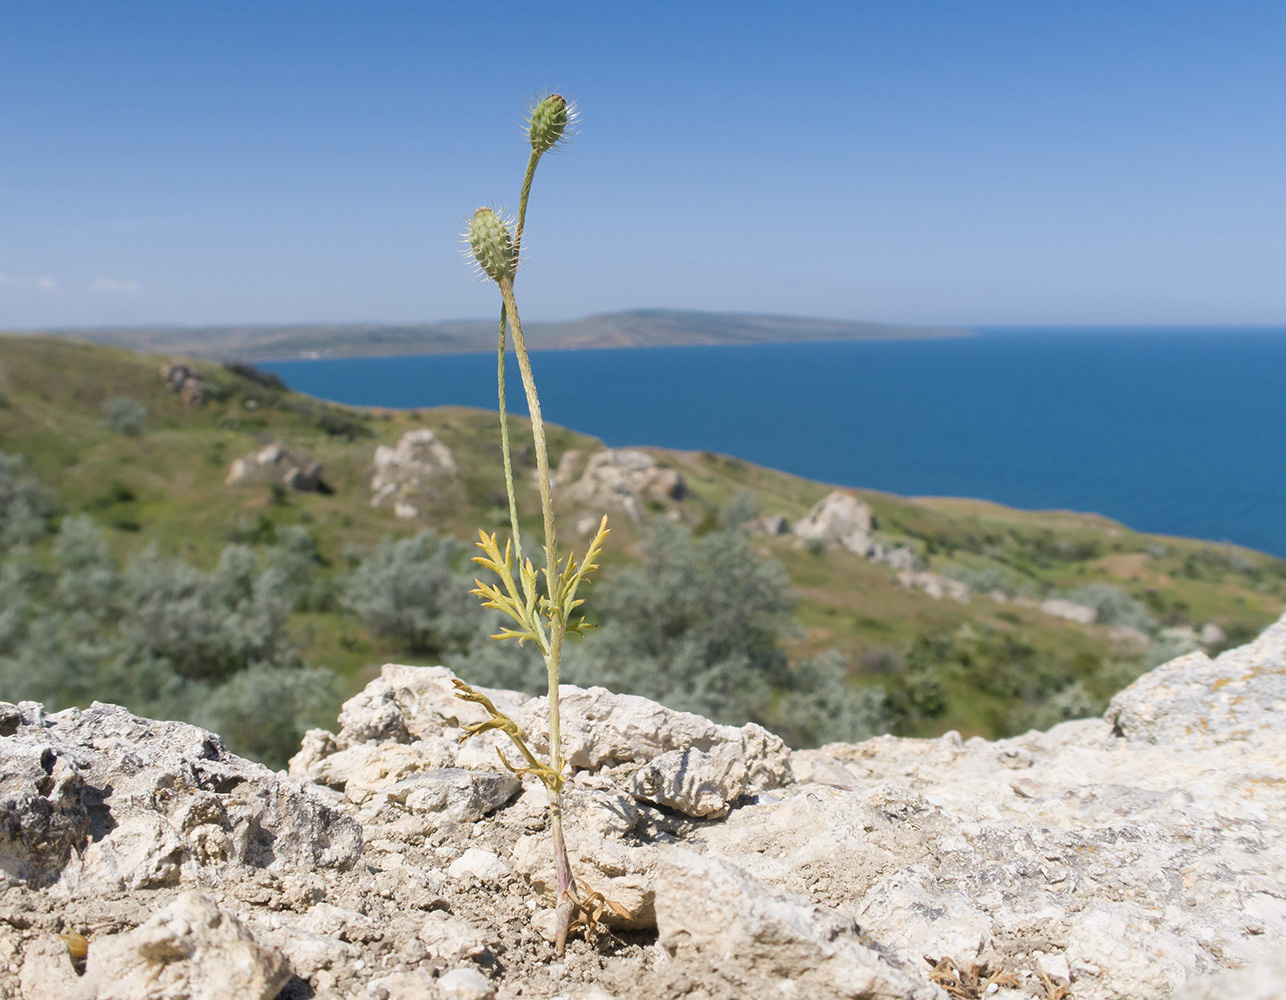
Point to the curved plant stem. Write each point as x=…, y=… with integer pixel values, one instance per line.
x=504, y=440
x=567, y=904
x=527, y=178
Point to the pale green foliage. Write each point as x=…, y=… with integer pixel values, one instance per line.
x=207, y=626
x=413, y=590
x=988, y=578
x=264, y=710
x=162, y=637
x=24, y=506
x=125, y=416
x=821, y=706
x=500, y=665
x=291, y=568
x=1114, y=606
x=1068, y=703
x=694, y=625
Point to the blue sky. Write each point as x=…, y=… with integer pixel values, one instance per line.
x=957, y=162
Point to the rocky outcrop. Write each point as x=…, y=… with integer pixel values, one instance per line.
x=99, y=799
x=185, y=381
x=618, y=479
x=1137, y=856
x=277, y=463
x=414, y=474
x=840, y=518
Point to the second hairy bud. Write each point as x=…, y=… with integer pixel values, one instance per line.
x=491, y=241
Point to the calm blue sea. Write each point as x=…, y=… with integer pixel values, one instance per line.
x=1178, y=431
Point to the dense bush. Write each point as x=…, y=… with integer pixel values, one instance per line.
x=989, y=577
x=1113, y=606
x=25, y=507
x=413, y=590
x=267, y=380
x=163, y=637
x=821, y=706
x=694, y=625
x=125, y=415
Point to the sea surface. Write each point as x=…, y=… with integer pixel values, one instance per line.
x=1176, y=431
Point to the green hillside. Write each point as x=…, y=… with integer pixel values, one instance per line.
x=996, y=664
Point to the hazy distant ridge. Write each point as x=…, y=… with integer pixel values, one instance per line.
x=636, y=328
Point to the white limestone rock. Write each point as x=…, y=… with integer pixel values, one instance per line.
x=1195, y=700
x=483, y=865
x=190, y=950
x=934, y=584
x=839, y=517
x=466, y=984
x=713, y=916
x=603, y=729
x=1141, y=855
x=618, y=479
x=448, y=937
x=1262, y=980
x=100, y=798
x=278, y=463
x=413, y=474
x=705, y=785
x=1060, y=607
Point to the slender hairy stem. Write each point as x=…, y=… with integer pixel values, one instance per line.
x=527, y=178
x=538, y=437
x=504, y=440
x=567, y=903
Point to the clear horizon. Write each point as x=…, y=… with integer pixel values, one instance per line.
x=962, y=164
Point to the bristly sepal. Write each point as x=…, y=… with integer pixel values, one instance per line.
x=549, y=122
x=491, y=243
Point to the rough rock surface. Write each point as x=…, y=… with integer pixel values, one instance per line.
x=839, y=517
x=415, y=473
x=99, y=799
x=275, y=463
x=187, y=383
x=1138, y=856
x=618, y=479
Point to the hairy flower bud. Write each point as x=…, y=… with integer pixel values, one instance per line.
x=547, y=124
x=492, y=244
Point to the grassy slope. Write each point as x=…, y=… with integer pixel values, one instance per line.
x=166, y=487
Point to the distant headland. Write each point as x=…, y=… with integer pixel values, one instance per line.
x=634, y=328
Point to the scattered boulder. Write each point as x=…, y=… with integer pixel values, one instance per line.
x=1060, y=607
x=412, y=475
x=1130, y=637
x=839, y=517
x=185, y=381
x=1213, y=635
x=618, y=479
x=277, y=463
x=902, y=559
x=769, y=524
x=934, y=584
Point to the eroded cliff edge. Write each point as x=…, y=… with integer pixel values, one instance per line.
x=1139, y=855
